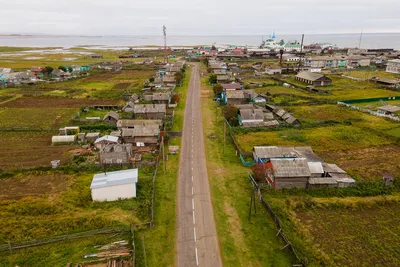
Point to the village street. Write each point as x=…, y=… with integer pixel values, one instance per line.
x=197, y=241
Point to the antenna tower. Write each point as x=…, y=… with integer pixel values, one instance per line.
x=165, y=44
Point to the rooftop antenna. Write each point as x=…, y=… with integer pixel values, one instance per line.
x=165, y=44
x=359, y=43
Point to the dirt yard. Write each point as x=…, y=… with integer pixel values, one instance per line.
x=31, y=149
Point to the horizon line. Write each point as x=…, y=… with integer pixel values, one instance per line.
x=128, y=35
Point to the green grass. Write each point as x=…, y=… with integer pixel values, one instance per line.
x=255, y=240
x=35, y=117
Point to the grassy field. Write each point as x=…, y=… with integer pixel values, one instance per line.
x=351, y=231
x=48, y=203
x=254, y=240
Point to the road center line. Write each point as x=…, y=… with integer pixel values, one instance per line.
x=194, y=221
x=194, y=233
x=192, y=190
x=197, y=258
x=193, y=203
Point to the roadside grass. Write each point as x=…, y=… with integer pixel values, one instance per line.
x=255, y=240
x=58, y=254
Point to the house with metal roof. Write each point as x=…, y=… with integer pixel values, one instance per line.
x=313, y=78
x=389, y=110
x=134, y=123
x=262, y=154
x=238, y=97
x=111, y=186
x=106, y=140
x=232, y=86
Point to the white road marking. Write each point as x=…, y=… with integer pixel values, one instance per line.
x=193, y=203
x=197, y=258
x=192, y=178
x=192, y=190
x=192, y=168
x=194, y=221
x=194, y=233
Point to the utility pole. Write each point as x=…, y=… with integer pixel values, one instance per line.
x=359, y=43
x=301, y=51
x=163, y=151
x=165, y=44
x=224, y=135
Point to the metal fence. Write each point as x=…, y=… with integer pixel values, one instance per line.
x=369, y=111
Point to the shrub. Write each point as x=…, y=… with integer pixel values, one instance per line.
x=218, y=89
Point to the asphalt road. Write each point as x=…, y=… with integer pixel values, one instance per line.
x=197, y=241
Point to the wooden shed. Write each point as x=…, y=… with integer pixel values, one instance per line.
x=288, y=173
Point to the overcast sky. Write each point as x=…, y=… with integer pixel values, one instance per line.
x=198, y=17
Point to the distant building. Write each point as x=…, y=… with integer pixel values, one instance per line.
x=115, y=153
x=313, y=78
x=393, y=66
x=116, y=185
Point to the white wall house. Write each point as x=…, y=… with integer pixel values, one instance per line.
x=116, y=185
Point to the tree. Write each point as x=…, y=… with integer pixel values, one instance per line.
x=62, y=68
x=213, y=78
x=230, y=113
x=218, y=89
x=178, y=77
x=70, y=69
x=259, y=172
x=175, y=99
x=282, y=42
x=151, y=79
x=213, y=47
x=48, y=69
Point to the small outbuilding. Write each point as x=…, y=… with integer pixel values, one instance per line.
x=388, y=110
x=288, y=173
x=111, y=186
x=63, y=139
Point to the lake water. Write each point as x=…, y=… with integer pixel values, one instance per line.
x=369, y=40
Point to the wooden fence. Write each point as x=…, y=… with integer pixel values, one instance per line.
x=14, y=246
x=276, y=220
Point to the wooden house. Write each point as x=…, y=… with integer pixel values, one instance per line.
x=313, y=78
x=111, y=118
x=288, y=173
x=150, y=111
x=116, y=154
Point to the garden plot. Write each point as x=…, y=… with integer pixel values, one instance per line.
x=31, y=149
x=360, y=236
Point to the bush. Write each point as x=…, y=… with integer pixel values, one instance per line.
x=175, y=99
x=218, y=89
